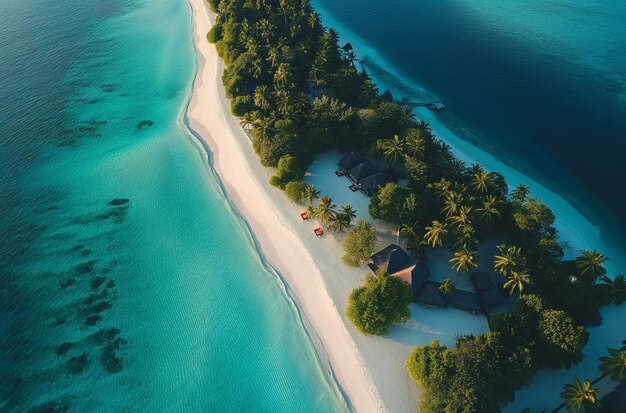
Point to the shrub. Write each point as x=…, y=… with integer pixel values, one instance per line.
x=358, y=245
x=563, y=340
x=296, y=191
x=288, y=170
x=241, y=105
x=381, y=301
x=215, y=34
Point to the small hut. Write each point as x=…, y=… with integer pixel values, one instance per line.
x=347, y=47
x=387, y=96
x=430, y=295
x=465, y=300
x=361, y=171
x=351, y=160
x=396, y=262
x=370, y=184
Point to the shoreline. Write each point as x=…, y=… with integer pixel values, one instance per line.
x=281, y=249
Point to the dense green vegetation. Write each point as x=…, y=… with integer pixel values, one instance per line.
x=358, y=246
x=301, y=94
x=380, y=302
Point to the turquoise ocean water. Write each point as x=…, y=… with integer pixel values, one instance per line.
x=127, y=281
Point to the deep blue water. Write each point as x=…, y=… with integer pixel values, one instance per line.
x=127, y=281
x=540, y=84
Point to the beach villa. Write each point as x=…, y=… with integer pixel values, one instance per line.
x=396, y=262
x=363, y=173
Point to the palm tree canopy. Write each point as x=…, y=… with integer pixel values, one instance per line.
x=516, y=281
x=325, y=210
x=509, y=260
x=614, y=364
x=464, y=260
x=393, y=149
x=616, y=290
x=590, y=264
x=435, y=234
x=580, y=397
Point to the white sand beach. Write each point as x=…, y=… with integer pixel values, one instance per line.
x=369, y=370
x=246, y=184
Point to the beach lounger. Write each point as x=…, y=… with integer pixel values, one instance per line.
x=305, y=215
x=318, y=231
x=354, y=187
x=340, y=173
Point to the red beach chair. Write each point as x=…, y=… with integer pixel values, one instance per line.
x=318, y=231
x=305, y=215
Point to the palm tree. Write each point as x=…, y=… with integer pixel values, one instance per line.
x=314, y=20
x=465, y=239
x=580, y=397
x=344, y=218
x=509, y=260
x=447, y=287
x=273, y=56
x=590, y=264
x=488, y=210
x=456, y=170
x=516, y=281
x=393, y=149
x=616, y=290
x=520, y=194
x=325, y=210
x=462, y=219
x=283, y=74
x=480, y=181
x=262, y=97
x=452, y=203
x=309, y=193
x=613, y=365
x=464, y=260
x=415, y=142
x=368, y=91
x=435, y=234
x=263, y=127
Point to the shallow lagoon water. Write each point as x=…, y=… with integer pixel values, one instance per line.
x=128, y=281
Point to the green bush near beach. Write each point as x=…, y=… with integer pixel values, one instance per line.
x=358, y=246
x=380, y=302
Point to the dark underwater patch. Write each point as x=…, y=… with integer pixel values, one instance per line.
x=52, y=406
x=118, y=201
x=78, y=364
x=144, y=123
x=107, y=88
x=97, y=282
x=92, y=320
x=63, y=348
x=67, y=283
x=85, y=267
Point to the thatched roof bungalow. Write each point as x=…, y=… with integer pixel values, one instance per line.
x=465, y=300
x=430, y=295
x=351, y=160
x=370, y=184
x=361, y=171
x=396, y=262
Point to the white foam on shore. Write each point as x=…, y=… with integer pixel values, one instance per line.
x=575, y=230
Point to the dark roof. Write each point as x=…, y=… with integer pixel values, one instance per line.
x=490, y=298
x=391, y=259
x=351, y=160
x=347, y=47
x=415, y=272
x=387, y=96
x=371, y=183
x=429, y=294
x=482, y=281
x=362, y=170
x=465, y=300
